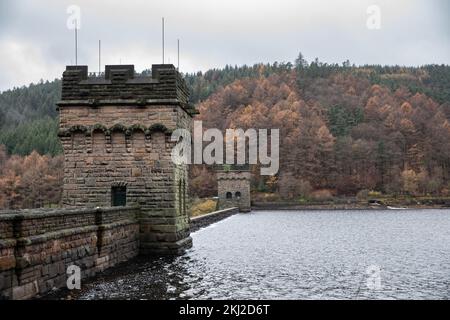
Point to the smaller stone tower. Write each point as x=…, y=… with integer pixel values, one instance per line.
x=234, y=187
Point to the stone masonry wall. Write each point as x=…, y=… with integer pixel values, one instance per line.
x=37, y=246
x=114, y=145
x=205, y=220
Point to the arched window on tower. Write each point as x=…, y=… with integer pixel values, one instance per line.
x=238, y=195
x=229, y=195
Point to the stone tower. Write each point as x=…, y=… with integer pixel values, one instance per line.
x=233, y=186
x=115, y=131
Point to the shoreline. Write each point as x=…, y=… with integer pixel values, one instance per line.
x=303, y=207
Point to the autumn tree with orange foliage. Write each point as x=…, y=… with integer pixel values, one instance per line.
x=340, y=132
x=29, y=182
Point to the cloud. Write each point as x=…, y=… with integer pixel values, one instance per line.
x=215, y=33
x=7, y=10
x=29, y=64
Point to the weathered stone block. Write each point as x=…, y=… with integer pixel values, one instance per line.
x=26, y=291
x=7, y=262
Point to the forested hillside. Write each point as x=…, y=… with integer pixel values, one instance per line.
x=28, y=119
x=344, y=129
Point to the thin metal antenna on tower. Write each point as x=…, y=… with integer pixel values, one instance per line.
x=163, y=40
x=99, y=57
x=178, y=54
x=76, y=42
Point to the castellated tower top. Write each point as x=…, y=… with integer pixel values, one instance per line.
x=121, y=85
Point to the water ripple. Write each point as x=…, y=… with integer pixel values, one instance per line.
x=301, y=255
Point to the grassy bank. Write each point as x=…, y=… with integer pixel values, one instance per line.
x=202, y=206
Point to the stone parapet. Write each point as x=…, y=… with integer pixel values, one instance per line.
x=37, y=246
x=210, y=218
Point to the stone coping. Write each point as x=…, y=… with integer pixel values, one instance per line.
x=46, y=213
x=214, y=213
x=207, y=219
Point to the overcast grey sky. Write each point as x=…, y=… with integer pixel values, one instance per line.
x=35, y=42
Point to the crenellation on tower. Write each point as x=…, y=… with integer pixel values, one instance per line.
x=120, y=84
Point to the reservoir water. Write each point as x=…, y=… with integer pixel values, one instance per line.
x=367, y=254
